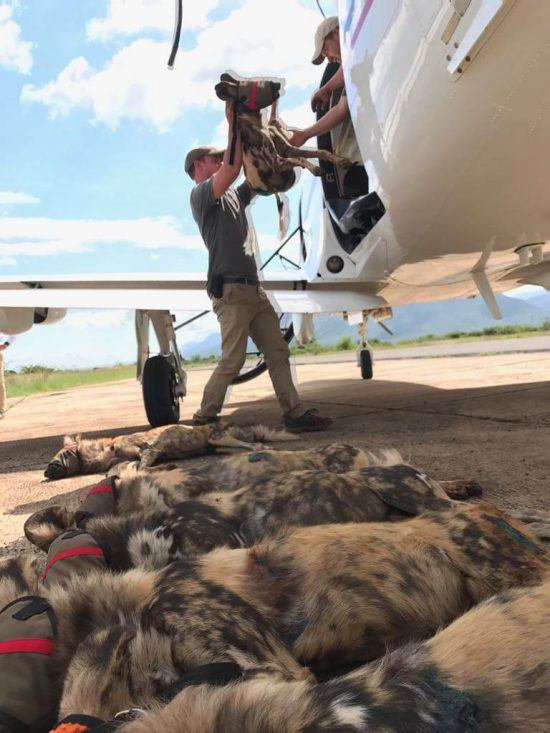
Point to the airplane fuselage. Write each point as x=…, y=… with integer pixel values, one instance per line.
x=451, y=109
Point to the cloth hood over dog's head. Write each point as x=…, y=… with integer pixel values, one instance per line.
x=327, y=26
x=65, y=463
x=252, y=94
x=28, y=688
x=198, y=153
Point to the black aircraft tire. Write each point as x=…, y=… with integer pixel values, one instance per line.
x=158, y=383
x=366, y=364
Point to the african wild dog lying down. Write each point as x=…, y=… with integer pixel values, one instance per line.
x=239, y=470
x=152, y=528
x=489, y=671
x=319, y=596
x=98, y=455
x=247, y=515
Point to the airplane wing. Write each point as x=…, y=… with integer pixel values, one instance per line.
x=292, y=294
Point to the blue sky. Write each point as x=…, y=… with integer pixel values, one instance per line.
x=93, y=133
x=94, y=129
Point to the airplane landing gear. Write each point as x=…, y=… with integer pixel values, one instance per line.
x=163, y=378
x=159, y=385
x=364, y=351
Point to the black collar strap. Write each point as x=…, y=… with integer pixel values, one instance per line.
x=217, y=673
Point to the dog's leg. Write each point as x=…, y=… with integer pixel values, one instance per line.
x=301, y=163
x=148, y=458
x=461, y=489
x=227, y=441
x=537, y=519
x=284, y=148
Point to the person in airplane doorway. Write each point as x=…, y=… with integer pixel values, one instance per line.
x=5, y=341
x=240, y=304
x=331, y=98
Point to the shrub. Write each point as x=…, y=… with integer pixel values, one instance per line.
x=37, y=369
x=345, y=344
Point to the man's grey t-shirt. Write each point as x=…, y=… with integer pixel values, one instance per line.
x=225, y=230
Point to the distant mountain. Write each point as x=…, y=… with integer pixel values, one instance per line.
x=540, y=300
x=412, y=321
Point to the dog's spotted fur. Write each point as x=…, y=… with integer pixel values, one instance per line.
x=159, y=444
x=328, y=594
x=487, y=672
x=270, y=500
x=262, y=509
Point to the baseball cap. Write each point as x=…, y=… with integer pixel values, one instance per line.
x=197, y=153
x=326, y=27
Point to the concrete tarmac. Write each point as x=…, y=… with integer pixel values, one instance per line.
x=481, y=416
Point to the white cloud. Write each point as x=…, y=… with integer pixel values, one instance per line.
x=130, y=17
x=15, y=54
x=40, y=237
x=43, y=237
x=7, y=261
x=300, y=116
x=9, y=197
x=254, y=40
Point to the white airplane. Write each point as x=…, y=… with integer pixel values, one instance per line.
x=450, y=104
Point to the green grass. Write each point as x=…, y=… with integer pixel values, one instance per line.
x=32, y=380
x=36, y=378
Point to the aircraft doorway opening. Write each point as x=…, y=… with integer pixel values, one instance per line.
x=352, y=208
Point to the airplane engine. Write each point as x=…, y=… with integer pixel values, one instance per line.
x=304, y=330
x=19, y=320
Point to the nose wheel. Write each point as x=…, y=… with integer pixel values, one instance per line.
x=364, y=351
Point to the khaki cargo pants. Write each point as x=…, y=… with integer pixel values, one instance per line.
x=243, y=311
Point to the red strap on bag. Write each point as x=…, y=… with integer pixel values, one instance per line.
x=86, y=550
x=102, y=488
x=33, y=646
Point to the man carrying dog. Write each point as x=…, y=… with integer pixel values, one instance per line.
x=240, y=304
x=337, y=120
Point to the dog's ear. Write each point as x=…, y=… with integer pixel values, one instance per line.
x=68, y=440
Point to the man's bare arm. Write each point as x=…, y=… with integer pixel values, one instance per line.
x=328, y=122
x=228, y=173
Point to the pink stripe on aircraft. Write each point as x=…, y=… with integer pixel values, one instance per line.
x=366, y=10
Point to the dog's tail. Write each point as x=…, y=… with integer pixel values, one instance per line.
x=263, y=434
x=42, y=527
x=283, y=208
x=386, y=457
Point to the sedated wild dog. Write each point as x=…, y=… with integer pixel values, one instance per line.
x=313, y=497
x=239, y=518
x=489, y=671
x=234, y=518
x=320, y=595
x=169, y=442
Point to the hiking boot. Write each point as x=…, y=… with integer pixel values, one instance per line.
x=309, y=422
x=204, y=420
